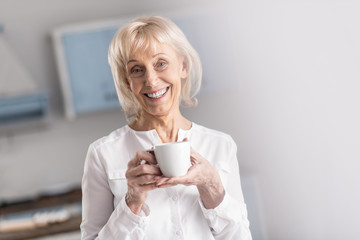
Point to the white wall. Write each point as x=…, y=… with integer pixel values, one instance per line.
x=298, y=114
x=293, y=111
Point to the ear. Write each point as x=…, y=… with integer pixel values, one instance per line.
x=184, y=69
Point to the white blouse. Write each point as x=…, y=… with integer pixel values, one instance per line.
x=168, y=213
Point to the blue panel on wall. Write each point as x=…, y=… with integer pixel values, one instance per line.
x=24, y=107
x=91, y=82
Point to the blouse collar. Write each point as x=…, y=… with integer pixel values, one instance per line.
x=152, y=134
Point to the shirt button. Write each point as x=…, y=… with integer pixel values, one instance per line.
x=175, y=198
x=178, y=232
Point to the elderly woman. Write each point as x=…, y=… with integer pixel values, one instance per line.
x=125, y=195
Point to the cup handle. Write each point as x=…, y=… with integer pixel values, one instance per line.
x=151, y=150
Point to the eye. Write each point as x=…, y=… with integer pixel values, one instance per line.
x=137, y=71
x=160, y=65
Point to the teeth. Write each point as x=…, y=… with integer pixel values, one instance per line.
x=157, y=94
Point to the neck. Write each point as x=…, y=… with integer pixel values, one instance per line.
x=167, y=126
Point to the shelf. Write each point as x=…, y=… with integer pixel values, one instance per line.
x=25, y=210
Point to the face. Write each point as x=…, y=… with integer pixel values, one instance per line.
x=155, y=79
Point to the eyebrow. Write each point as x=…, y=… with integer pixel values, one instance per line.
x=134, y=60
x=158, y=54
x=130, y=61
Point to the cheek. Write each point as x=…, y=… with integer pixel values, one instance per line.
x=183, y=72
x=176, y=89
x=134, y=86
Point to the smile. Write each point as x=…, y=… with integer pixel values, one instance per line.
x=157, y=94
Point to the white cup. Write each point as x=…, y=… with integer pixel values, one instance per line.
x=173, y=158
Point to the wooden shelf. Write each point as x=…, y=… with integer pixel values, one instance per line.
x=68, y=226
x=43, y=202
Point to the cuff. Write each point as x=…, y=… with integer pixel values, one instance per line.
x=123, y=223
x=227, y=213
x=211, y=213
x=140, y=220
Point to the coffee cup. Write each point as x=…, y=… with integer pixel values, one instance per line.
x=173, y=158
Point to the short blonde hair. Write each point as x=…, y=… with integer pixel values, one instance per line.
x=143, y=34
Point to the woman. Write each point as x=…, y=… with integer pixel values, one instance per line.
x=124, y=195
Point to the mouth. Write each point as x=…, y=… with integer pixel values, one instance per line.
x=157, y=94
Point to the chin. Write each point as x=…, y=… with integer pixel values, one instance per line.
x=159, y=113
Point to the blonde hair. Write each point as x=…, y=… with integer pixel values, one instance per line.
x=143, y=34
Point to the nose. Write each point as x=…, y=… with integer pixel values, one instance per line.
x=151, y=78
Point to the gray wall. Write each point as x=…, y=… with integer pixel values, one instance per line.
x=293, y=109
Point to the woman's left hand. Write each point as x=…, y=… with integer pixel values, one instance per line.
x=204, y=176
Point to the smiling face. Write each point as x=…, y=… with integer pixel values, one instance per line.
x=155, y=79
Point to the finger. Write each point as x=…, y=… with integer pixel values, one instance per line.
x=172, y=180
x=145, y=156
x=184, y=180
x=166, y=185
x=141, y=180
x=148, y=187
x=158, y=177
x=178, y=180
x=143, y=169
x=151, y=150
x=195, y=157
x=142, y=155
x=194, y=153
x=161, y=180
x=193, y=161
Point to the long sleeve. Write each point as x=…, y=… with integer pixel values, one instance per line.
x=229, y=220
x=100, y=219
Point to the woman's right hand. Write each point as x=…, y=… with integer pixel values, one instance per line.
x=140, y=179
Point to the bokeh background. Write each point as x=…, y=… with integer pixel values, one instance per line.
x=287, y=90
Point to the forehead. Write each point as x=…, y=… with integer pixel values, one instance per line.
x=152, y=50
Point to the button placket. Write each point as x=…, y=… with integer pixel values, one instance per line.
x=175, y=197
x=176, y=217
x=179, y=233
x=142, y=224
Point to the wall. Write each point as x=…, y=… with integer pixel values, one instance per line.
x=298, y=114
x=293, y=111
